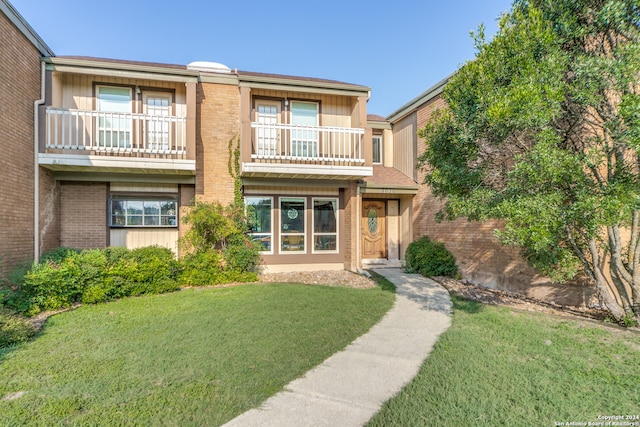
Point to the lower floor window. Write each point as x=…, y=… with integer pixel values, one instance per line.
x=292, y=224
x=127, y=211
x=325, y=225
x=260, y=220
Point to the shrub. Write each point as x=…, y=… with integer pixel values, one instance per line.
x=57, y=255
x=202, y=268
x=430, y=258
x=243, y=255
x=14, y=328
x=93, y=276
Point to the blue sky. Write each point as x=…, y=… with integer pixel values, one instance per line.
x=399, y=49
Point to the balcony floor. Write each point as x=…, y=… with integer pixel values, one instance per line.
x=305, y=171
x=115, y=164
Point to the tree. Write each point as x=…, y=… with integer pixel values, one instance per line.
x=542, y=131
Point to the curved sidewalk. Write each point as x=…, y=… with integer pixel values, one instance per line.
x=349, y=387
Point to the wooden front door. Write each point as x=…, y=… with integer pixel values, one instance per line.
x=374, y=237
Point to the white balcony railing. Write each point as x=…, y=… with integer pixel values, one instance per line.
x=115, y=133
x=294, y=143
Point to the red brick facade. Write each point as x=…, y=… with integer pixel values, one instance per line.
x=83, y=215
x=217, y=122
x=19, y=88
x=480, y=256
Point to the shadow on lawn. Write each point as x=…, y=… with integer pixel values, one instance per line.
x=468, y=306
x=383, y=282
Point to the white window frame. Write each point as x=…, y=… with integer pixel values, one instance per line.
x=314, y=234
x=157, y=126
x=119, y=125
x=126, y=199
x=267, y=140
x=380, y=149
x=283, y=234
x=305, y=143
x=261, y=234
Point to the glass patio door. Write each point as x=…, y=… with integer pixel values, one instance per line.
x=304, y=136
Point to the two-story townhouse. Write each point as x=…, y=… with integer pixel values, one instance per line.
x=119, y=139
x=20, y=92
x=130, y=145
x=311, y=168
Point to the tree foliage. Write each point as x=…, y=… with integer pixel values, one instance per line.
x=542, y=131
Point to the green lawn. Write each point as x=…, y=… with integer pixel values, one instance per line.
x=196, y=357
x=498, y=367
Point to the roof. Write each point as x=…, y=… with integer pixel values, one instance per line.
x=285, y=82
x=421, y=99
x=375, y=118
x=120, y=62
x=248, y=77
x=24, y=27
x=388, y=177
x=288, y=77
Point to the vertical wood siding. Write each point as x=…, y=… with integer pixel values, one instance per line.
x=334, y=110
x=404, y=145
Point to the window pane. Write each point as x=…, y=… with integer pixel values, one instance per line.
x=377, y=149
x=151, y=220
x=151, y=208
x=325, y=243
x=259, y=210
x=264, y=239
x=292, y=215
x=134, y=207
x=134, y=220
x=115, y=99
x=168, y=208
x=293, y=243
x=324, y=216
x=304, y=113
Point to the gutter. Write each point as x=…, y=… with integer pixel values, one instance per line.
x=36, y=167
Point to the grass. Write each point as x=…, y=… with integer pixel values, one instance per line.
x=497, y=367
x=196, y=357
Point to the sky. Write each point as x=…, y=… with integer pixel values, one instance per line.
x=397, y=48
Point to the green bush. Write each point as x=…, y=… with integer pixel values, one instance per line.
x=14, y=328
x=430, y=258
x=93, y=276
x=57, y=255
x=243, y=255
x=202, y=268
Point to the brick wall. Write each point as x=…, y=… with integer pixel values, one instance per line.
x=480, y=257
x=19, y=88
x=351, y=224
x=49, y=211
x=217, y=122
x=83, y=215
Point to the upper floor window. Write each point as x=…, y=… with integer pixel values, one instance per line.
x=114, y=118
x=304, y=140
x=377, y=149
x=158, y=109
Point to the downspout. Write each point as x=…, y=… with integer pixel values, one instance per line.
x=36, y=166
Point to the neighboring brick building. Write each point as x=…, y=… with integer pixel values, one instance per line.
x=20, y=86
x=480, y=257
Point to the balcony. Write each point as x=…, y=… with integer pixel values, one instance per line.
x=285, y=150
x=108, y=142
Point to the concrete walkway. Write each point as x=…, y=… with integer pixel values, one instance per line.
x=349, y=387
